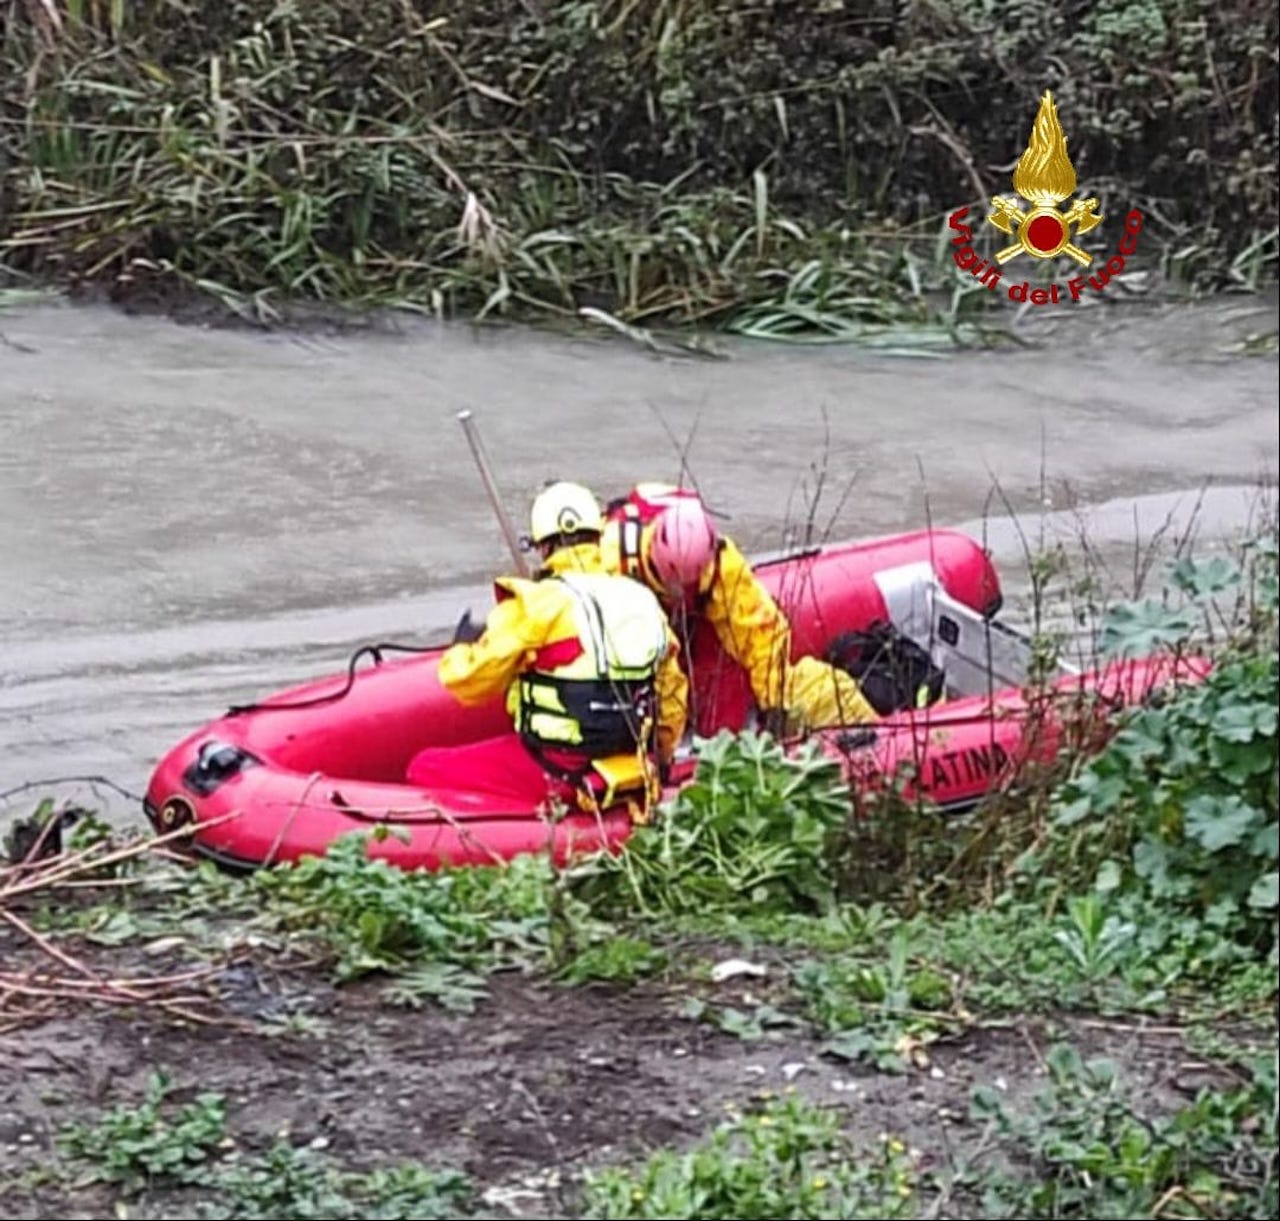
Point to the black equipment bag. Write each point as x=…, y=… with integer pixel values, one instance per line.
x=894, y=672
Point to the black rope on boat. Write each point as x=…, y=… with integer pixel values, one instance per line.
x=373, y=650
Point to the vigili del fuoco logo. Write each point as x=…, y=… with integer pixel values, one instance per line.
x=1044, y=177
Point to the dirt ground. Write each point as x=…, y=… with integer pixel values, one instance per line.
x=540, y=1081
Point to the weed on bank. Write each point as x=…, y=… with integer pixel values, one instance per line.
x=1148, y=889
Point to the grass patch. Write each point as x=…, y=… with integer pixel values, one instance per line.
x=1084, y=1150
x=149, y=1147
x=784, y=1159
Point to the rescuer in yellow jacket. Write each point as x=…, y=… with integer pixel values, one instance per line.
x=663, y=536
x=588, y=662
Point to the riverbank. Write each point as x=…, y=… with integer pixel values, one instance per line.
x=696, y=164
x=1065, y=1003
x=301, y=1098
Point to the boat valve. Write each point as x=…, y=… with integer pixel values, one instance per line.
x=214, y=763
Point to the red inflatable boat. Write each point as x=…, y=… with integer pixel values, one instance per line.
x=284, y=778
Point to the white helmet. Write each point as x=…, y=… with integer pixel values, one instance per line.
x=564, y=508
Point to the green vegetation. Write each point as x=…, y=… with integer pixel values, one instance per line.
x=785, y=1160
x=1087, y=1152
x=373, y=917
x=134, y=1146
x=783, y=171
x=289, y=1184
x=144, y=1146
x=1181, y=806
x=1141, y=890
x=1082, y=1150
x=757, y=829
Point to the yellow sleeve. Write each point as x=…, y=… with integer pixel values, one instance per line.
x=481, y=669
x=611, y=548
x=753, y=630
x=820, y=696
x=673, y=699
x=750, y=626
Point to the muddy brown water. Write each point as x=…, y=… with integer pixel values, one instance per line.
x=193, y=516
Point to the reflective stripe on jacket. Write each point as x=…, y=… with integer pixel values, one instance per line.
x=547, y=631
x=600, y=696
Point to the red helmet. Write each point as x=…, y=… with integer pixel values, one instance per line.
x=682, y=542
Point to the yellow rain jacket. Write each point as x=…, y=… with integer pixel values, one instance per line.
x=528, y=647
x=754, y=632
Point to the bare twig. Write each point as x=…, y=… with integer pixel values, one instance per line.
x=63, y=868
x=54, y=780
x=53, y=951
x=943, y=1198
x=538, y=1113
x=681, y=449
x=177, y=1006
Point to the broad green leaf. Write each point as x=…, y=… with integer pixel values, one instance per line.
x=986, y=1103
x=1108, y=878
x=1201, y=576
x=1137, y=629
x=118, y=928
x=1064, y=1062
x=1243, y=722
x=1219, y=822
x=851, y=1044
x=1265, y=892
x=1151, y=861
x=1266, y=843
x=746, y=1026
x=1237, y=761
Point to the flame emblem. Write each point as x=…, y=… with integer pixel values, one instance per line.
x=1044, y=177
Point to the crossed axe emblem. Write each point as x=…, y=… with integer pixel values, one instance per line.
x=1044, y=231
